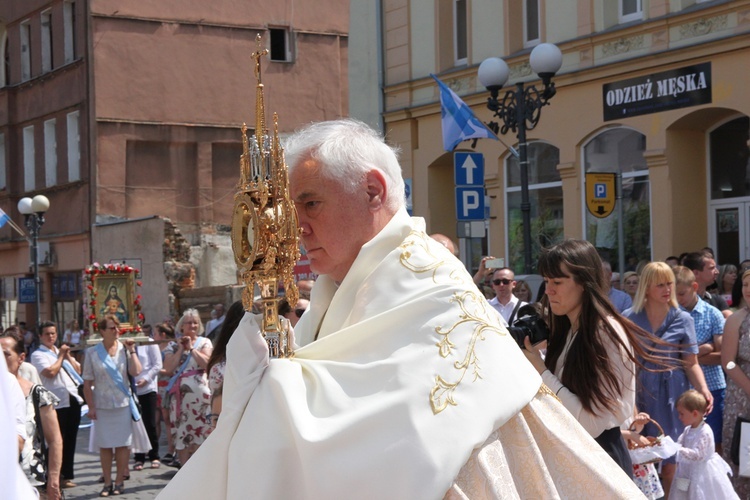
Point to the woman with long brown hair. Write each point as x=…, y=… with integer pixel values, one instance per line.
x=593, y=351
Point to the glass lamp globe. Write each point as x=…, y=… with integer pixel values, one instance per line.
x=493, y=73
x=24, y=206
x=545, y=59
x=40, y=204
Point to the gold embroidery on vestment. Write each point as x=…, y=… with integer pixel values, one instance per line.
x=473, y=311
x=417, y=256
x=546, y=391
x=433, y=262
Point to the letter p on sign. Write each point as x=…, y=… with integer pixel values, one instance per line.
x=469, y=203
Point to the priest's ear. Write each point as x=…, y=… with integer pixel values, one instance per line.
x=377, y=189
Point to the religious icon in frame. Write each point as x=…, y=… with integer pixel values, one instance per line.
x=115, y=293
x=112, y=289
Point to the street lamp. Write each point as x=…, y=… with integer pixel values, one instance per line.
x=519, y=111
x=33, y=211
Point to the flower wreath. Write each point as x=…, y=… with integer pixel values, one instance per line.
x=97, y=269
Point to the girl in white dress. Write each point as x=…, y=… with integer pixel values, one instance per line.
x=701, y=473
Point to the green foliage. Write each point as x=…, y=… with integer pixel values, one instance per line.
x=637, y=232
x=546, y=231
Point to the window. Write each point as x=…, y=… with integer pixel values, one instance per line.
x=74, y=148
x=545, y=195
x=25, y=51
x=50, y=153
x=3, y=165
x=69, y=25
x=46, y=41
x=621, y=151
x=29, y=172
x=280, y=46
x=630, y=10
x=5, y=47
x=531, y=22
x=460, y=33
x=730, y=158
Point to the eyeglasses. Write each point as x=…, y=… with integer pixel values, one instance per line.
x=299, y=312
x=504, y=281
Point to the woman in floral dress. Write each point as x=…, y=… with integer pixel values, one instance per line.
x=190, y=396
x=735, y=358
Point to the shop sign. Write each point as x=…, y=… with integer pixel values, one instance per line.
x=26, y=291
x=674, y=89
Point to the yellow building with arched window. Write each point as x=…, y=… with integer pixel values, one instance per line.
x=683, y=157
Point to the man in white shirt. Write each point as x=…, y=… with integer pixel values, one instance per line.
x=61, y=375
x=504, y=302
x=145, y=388
x=214, y=325
x=619, y=299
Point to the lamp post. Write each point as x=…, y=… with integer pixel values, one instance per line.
x=33, y=211
x=520, y=110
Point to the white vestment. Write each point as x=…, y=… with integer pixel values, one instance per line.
x=405, y=394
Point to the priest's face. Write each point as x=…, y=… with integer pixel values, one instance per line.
x=335, y=223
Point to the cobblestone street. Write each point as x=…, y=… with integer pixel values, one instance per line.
x=145, y=484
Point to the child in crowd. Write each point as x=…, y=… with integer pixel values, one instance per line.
x=701, y=473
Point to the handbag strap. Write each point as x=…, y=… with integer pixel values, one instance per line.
x=67, y=367
x=513, y=314
x=173, y=380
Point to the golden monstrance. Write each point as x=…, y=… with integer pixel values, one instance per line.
x=265, y=238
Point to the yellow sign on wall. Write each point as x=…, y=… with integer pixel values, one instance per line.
x=600, y=194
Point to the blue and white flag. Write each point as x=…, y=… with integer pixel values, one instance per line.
x=4, y=218
x=459, y=122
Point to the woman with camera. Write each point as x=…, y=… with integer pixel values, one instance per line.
x=190, y=396
x=592, y=351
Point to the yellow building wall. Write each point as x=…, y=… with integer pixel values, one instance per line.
x=676, y=140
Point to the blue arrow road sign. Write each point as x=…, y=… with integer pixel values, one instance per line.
x=469, y=203
x=469, y=169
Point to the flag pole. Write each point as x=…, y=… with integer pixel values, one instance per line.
x=512, y=149
x=18, y=229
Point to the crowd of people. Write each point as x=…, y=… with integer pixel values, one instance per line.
x=130, y=392
x=688, y=312
x=394, y=385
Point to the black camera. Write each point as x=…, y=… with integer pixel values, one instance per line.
x=529, y=324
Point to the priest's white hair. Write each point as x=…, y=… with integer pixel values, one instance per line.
x=347, y=149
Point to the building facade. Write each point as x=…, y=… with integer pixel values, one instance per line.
x=652, y=90
x=120, y=112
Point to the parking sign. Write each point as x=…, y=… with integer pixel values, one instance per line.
x=600, y=194
x=469, y=203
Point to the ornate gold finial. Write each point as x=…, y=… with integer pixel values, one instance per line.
x=257, y=55
x=265, y=238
